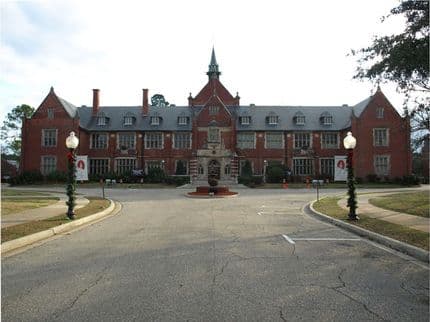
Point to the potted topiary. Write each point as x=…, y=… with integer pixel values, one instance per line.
x=213, y=182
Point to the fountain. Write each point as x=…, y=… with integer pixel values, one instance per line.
x=212, y=190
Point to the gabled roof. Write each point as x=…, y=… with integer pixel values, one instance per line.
x=69, y=107
x=360, y=107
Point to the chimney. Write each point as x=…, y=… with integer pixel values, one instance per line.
x=96, y=101
x=145, y=102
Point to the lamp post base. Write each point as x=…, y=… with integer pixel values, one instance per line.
x=70, y=215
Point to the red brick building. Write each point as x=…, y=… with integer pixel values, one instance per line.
x=215, y=135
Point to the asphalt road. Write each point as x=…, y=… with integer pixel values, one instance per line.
x=257, y=257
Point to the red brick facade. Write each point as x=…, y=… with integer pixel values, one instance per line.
x=208, y=141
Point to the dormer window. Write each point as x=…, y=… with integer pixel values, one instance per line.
x=326, y=119
x=182, y=120
x=155, y=120
x=101, y=120
x=245, y=120
x=128, y=120
x=299, y=119
x=272, y=119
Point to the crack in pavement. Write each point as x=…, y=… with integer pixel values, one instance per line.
x=94, y=283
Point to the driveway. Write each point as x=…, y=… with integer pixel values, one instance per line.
x=257, y=257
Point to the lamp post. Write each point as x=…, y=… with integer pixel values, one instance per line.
x=349, y=143
x=264, y=171
x=71, y=143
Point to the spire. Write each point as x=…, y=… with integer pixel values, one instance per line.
x=213, y=71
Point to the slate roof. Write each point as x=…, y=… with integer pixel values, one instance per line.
x=69, y=107
x=341, y=116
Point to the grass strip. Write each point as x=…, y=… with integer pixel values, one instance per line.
x=95, y=205
x=413, y=203
x=14, y=205
x=13, y=193
x=329, y=207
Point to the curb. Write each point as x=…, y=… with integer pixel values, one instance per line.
x=33, y=238
x=410, y=250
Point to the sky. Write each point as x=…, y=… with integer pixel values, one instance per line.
x=273, y=52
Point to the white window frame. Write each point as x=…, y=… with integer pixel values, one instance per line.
x=241, y=144
x=329, y=145
x=242, y=163
x=380, y=141
x=300, y=120
x=101, y=120
x=94, y=143
x=273, y=119
x=380, y=112
x=129, y=144
x=304, y=166
x=182, y=144
x=331, y=170
x=128, y=120
x=149, y=164
x=327, y=120
x=151, y=140
x=302, y=134
x=98, y=166
x=124, y=167
x=382, y=169
x=267, y=143
x=44, y=137
x=44, y=169
x=155, y=120
x=213, y=110
x=214, y=135
x=245, y=120
x=182, y=120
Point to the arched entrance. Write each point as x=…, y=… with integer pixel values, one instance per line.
x=214, y=169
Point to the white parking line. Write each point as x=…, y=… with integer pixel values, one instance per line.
x=288, y=239
x=329, y=239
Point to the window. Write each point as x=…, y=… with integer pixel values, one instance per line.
x=154, y=164
x=126, y=141
x=48, y=165
x=49, y=137
x=99, y=141
x=213, y=110
x=302, y=140
x=382, y=164
x=128, y=120
x=303, y=167
x=329, y=140
x=182, y=140
x=326, y=119
x=155, y=120
x=154, y=140
x=245, y=120
x=327, y=167
x=99, y=166
x=272, y=119
x=227, y=169
x=200, y=169
x=299, y=119
x=380, y=137
x=101, y=120
x=274, y=140
x=246, y=168
x=246, y=140
x=213, y=135
x=182, y=120
x=181, y=167
x=380, y=113
x=125, y=165
x=50, y=113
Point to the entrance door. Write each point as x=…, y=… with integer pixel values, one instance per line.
x=214, y=169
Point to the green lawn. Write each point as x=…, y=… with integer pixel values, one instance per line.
x=95, y=205
x=16, y=193
x=413, y=203
x=329, y=207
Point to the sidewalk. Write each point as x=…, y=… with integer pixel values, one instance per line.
x=59, y=208
x=365, y=208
